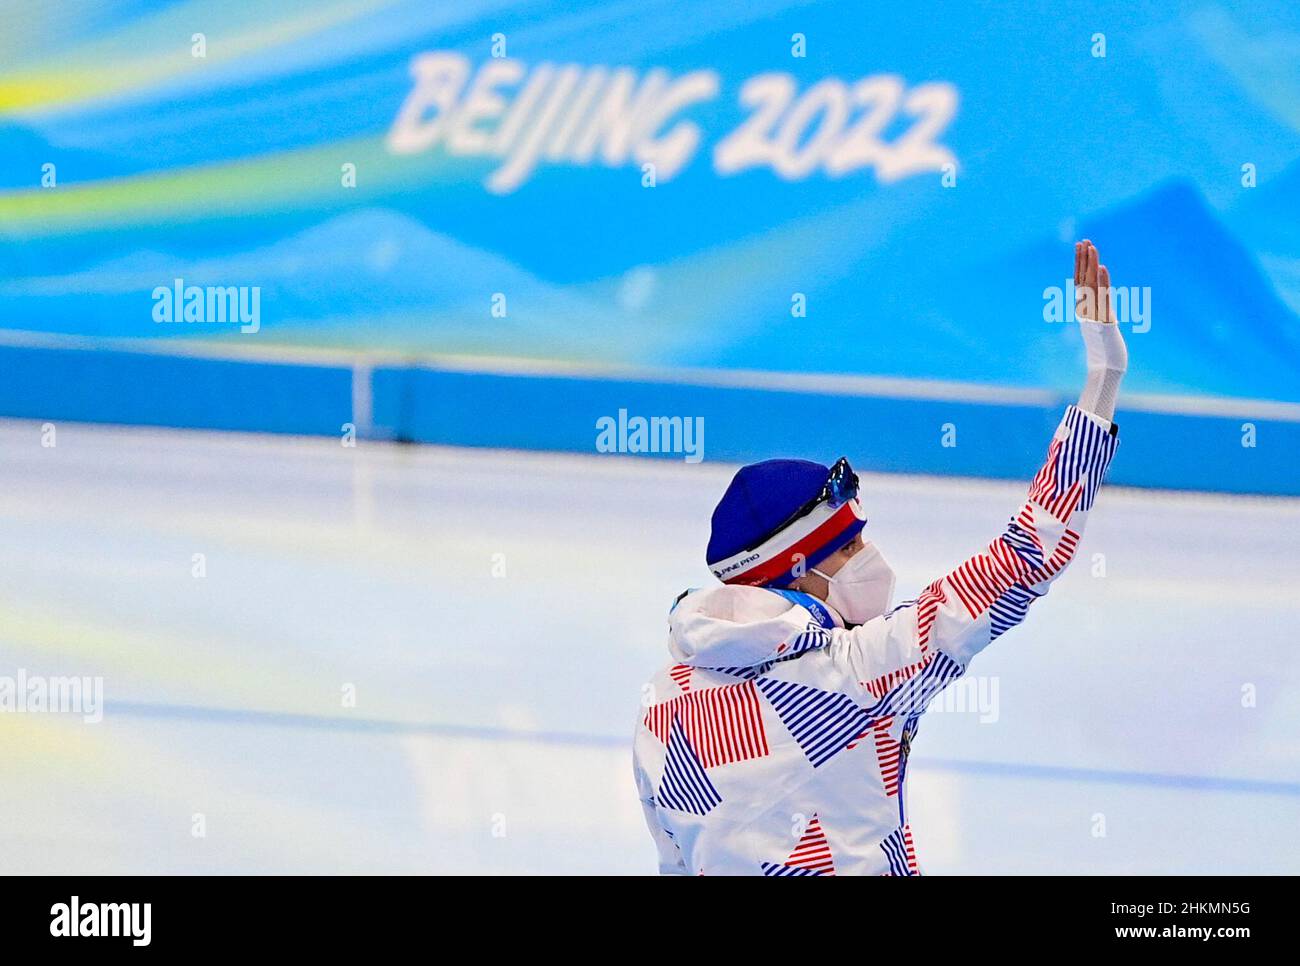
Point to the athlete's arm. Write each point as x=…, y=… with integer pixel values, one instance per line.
x=1106, y=352
x=927, y=642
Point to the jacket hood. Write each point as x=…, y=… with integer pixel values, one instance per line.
x=736, y=626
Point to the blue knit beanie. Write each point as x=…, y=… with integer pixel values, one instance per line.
x=760, y=498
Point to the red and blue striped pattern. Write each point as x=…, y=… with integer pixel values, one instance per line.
x=912, y=695
x=812, y=856
x=822, y=723
x=899, y=852
x=722, y=724
x=1076, y=464
x=1009, y=610
x=889, y=754
x=684, y=785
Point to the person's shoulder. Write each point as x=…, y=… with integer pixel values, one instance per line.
x=731, y=626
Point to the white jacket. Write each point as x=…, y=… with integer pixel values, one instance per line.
x=777, y=741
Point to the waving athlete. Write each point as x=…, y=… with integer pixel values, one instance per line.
x=776, y=742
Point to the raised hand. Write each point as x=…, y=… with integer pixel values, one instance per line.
x=1091, y=284
x=1107, y=354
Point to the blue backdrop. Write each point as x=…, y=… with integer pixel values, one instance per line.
x=811, y=188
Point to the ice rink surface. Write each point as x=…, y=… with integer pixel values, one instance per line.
x=495, y=614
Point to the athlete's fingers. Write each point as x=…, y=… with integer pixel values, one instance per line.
x=1103, y=295
x=1078, y=264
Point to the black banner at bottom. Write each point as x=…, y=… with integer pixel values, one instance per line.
x=335, y=916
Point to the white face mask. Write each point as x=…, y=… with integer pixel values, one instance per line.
x=863, y=588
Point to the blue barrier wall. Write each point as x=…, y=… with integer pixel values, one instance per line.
x=105, y=386
x=418, y=403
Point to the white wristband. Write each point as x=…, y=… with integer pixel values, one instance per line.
x=1107, y=363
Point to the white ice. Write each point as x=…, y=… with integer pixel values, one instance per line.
x=495, y=614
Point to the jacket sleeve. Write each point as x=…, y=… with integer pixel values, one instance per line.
x=670, y=856
x=927, y=642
